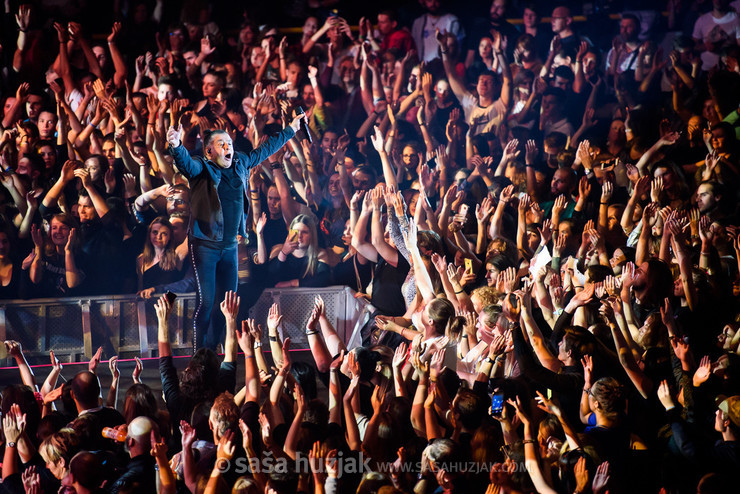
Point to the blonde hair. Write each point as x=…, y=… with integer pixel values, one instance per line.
x=62, y=444
x=312, y=252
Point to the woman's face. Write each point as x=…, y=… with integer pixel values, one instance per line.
x=410, y=158
x=93, y=168
x=491, y=275
x=59, y=233
x=719, y=140
x=533, y=239
x=335, y=189
x=304, y=235
x=485, y=48
x=347, y=233
x=160, y=235
x=49, y=155
x=310, y=27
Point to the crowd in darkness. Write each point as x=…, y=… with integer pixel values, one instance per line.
x=542, y=215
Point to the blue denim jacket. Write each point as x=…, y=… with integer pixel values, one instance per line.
x=206, y=214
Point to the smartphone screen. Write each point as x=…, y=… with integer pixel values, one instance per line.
x=497, y=403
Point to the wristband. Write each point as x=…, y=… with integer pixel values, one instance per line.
x=275, y=165
x=273, y=338
x=528, y=441
x=458, y=293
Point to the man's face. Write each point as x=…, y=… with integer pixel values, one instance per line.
x=432, y=5
x=8, y=105
x=347, y=71
x=273, y=202
x=589, y=63
x=628, y=30
x=109, y=151
x=385, y=24
x=293, y=72
x=498, y=9
x=706, y=201
x=33, y=106
x=190, y=57
x=221, y=150
x=560, y=20
x=179, y=230
x=550, y=106
x=442, y=90
x=361, y=181
x=560, y=182
x=47, y=124
x=529, y=17
x=85, y=209
x=178, y=202
x=485, y=86
x=551, y=155
x=211, y=86
x=561, y=82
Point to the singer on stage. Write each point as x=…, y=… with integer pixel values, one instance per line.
x=218, y=184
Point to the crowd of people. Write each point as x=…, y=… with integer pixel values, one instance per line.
x=543, y=217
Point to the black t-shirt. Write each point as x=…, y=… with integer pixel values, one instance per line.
x=387, y=295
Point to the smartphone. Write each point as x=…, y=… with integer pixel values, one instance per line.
x=497, y=404
x=293, y=235
x=464, y=210
x=468, y=265
x=170, y=297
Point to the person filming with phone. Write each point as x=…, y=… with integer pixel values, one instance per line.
x=218, y=184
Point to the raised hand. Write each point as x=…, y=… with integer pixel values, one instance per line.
x=162, y=308
x=173, y=136
x=230, y=306
x=92, y=366
x=136, y=375
x=702, y=372
x=113, y=367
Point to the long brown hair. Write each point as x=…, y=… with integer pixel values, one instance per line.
x=168, y=262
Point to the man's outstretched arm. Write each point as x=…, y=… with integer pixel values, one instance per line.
x=274, y=143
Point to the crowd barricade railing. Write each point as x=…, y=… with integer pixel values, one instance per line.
x=126, y=325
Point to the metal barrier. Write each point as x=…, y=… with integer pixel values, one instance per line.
x=125, y=325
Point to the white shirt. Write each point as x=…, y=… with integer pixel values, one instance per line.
x=705, y=30
x=482, y=119
x=424, y=33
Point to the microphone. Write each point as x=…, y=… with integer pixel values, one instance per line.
x=304, y=126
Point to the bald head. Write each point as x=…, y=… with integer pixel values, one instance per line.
x=85, y=390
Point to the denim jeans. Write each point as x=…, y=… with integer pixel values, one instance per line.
x=215, y=268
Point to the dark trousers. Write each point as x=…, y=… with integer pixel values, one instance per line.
x=215, y=267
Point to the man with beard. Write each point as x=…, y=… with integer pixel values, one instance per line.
x=708, y=200
x=218, y=183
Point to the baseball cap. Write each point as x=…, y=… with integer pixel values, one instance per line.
x=731, y=407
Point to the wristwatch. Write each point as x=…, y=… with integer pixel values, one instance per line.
x=11, y=444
